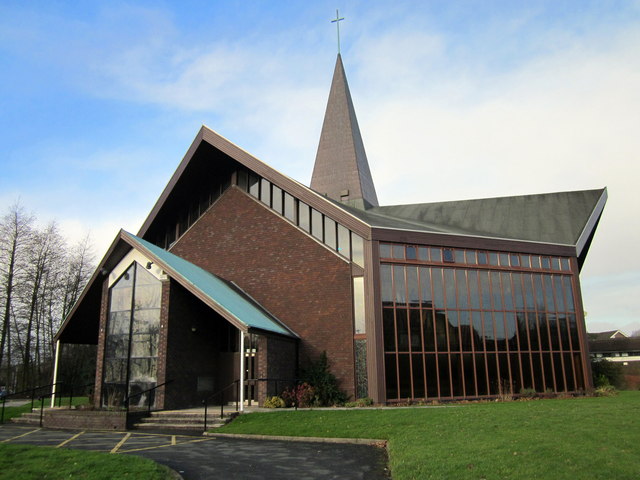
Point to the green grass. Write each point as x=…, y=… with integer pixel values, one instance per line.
x=10, y=412
x=578, y=438
x=27, y=462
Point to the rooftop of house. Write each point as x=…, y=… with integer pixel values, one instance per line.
x=606, y=335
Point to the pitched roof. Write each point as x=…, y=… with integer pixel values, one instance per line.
x=210, y=150
x=562, y=218
x=606, y=335
x=227, y=299
x=224, y=297
x=624, y=344
x=341, y=169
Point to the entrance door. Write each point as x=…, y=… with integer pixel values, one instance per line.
x=251, y=368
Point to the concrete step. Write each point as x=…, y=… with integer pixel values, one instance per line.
x=27, y=419
x=181, y=421
x=174, y=420
x=176, y=426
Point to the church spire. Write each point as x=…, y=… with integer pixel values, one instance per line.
x=341, y=170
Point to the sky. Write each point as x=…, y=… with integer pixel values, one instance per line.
x=99, y=102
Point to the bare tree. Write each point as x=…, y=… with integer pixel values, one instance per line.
x=45, y=255
x=41, y=278
x=15, y=230
x=80, y=264
x=636, y=333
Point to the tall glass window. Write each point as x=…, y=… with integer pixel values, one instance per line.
x=479, y=329
x=358, y=304
x=131, y=348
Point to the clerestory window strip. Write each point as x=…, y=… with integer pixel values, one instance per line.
x=326, y=230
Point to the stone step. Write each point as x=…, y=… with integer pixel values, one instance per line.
x=176, y=420
x=181, y=421
x=27, y=419
x=175, y=426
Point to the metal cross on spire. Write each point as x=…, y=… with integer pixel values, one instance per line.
x=337, y=22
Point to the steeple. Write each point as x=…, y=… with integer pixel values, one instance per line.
x=341, y=170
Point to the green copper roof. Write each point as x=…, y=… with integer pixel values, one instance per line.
x=229, y=299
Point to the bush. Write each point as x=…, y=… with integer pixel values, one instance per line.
x=528, y=393
x=325, y=384
x=361, y=402
x=274, y=402
x=607, y=373
x=606, y=391
x=303, y=396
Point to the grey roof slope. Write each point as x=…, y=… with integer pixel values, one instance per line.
x=627, y=344
x=562, y=218
x=341, y=162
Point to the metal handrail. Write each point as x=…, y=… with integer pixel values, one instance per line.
x=71, y=391
x=275, y=380
x=42, y=397
x=30, y=390
x=205, y=401
x=129, y=397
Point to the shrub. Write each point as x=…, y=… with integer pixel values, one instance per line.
x=361, y=402
x=528, y=393
x=274, y=402
x=606, y=391
x=325, y=384
x=607, y=373
x=303, y=396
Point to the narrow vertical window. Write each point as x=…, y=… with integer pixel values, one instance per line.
x=330, y=233
x=344, y=242
x=357, y=249
x=265, y=192
x=316, y=224
x=304, y=217
x=276, y=199
x=358, y=305
x=289, y=207
x=254, y=185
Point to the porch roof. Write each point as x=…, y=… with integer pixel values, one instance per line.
x=225, y=297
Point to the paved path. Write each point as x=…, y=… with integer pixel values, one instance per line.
x=200, y=458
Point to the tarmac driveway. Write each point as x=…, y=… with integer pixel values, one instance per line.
x=200, y=458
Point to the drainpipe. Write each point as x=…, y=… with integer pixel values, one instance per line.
x=241, y=385
x=55, y=375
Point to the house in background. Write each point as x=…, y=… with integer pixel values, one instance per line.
x=606, y=335
x=240, y=273
x=615, y=346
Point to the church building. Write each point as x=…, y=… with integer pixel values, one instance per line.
x=242, y=274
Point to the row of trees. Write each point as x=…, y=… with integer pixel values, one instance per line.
x=41, y=277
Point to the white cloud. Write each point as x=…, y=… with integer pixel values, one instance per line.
x=444, y=115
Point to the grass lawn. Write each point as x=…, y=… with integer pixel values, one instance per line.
x=27, y=462
x=578, y=438
x=10, y=412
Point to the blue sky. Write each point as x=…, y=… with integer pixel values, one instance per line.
x=99, y=101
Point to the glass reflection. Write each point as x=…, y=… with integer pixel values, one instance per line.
x=357, y=249
x=131, y=346
x=478, y=331
x=344, y=245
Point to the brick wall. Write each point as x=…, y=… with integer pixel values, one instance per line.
x=161, y=373
x=276, y=360
x=104, y=307
x=191, y=354
x=301, y=282
x=84, y=419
